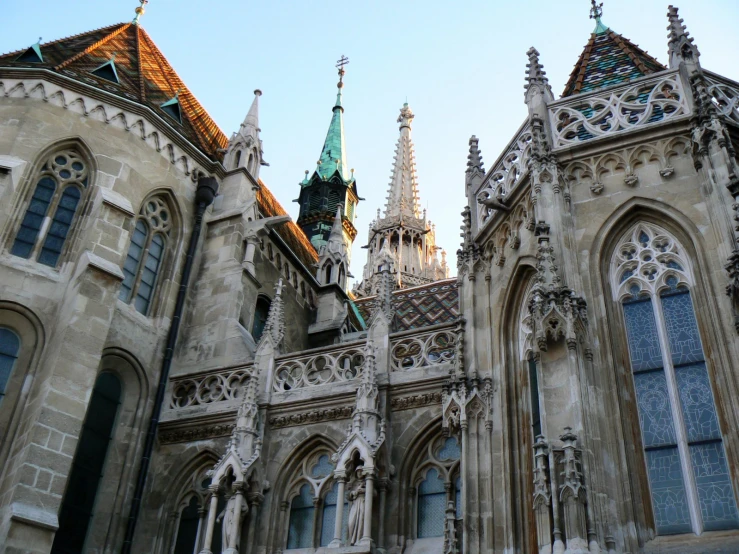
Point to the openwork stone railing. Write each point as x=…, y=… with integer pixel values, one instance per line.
x=209, y=387
x=640, y=103
x=505, y=174
x=319, y=367
x=725, y=94
x=423, y=349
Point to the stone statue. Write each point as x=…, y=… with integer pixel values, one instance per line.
x=228, y=517
x=356, y=513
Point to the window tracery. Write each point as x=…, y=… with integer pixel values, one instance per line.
x=146, y=254
x=686, y=462
x=437, y=482
x=313, y=497
x=60, y=185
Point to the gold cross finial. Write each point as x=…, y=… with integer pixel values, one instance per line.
x=140, y=11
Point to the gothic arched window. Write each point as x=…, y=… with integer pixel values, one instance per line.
x=311, y=487
x=10, y=346
x=261, y=312
x=146, y=254
x=687, y=468
x=60, y=185
x=328, y=269
x=192, y=511
x=437, y=483
x=237, y=159
x=87, y=467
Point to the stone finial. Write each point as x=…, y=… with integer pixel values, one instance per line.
x=386, y=262
x=474, y=158
x=536, y=78
x=680, y=46
x=275, y=325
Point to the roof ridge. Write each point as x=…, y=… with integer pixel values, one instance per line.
x=142, y=87
x=70, y=37
x=189, y=97
x=629, y=48
x=575, y=81
x=93, y=46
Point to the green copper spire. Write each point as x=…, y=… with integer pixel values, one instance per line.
x=333, y=155
x=596, y=12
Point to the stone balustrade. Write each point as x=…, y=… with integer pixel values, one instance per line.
x=604, y=112
x=414, y=350
x=208, y=387
x=319, y=367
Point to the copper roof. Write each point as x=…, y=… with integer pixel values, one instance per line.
x=145, y=76
x=609, y=59
x=293, y=235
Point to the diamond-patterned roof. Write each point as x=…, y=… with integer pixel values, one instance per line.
x=418, y=307
x=609, y=59
x=145, y=76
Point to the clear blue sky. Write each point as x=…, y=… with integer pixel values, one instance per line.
x=460, y=64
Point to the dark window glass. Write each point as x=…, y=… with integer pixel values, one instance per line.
x=534, y=391
x=31, y=224
x=149, y=274
x=133, y=260
x=187, y=532
x=237, y=159
x=300, y=532
x=10, y=345
x=87, y=467
x=60, y=224
x=260, y=317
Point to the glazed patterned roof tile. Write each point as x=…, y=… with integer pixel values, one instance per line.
x=609, y=59
x=293, y=235
x=418, y=307
x=144, y=73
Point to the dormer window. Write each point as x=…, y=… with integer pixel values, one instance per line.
x=172, y=108
x=32, y=55
x=107, y=71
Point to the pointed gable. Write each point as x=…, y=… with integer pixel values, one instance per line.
x=609, y=59
x=143, y=75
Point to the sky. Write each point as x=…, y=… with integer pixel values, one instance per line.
x=460, y=65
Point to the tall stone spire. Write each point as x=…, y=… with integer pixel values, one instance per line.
x=403, y=232
x=332, y=183
x=402, y=196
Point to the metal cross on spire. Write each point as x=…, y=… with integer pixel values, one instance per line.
x=596, y=11
x=340, y=63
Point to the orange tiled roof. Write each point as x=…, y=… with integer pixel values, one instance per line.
x=293, y=235
x=144, y=73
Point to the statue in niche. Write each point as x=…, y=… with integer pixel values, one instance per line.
x=228, y=517
x=356, y=511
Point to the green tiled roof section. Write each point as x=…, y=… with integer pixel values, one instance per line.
x=334, y=147
x=609, y=59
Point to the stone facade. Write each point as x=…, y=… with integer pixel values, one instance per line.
x=573, y=389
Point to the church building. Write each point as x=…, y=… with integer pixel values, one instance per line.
x=184, y=369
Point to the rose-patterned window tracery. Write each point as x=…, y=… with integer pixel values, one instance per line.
x=687, y=467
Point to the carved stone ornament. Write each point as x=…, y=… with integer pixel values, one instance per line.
x=415, y=401
x=193, y=434
x=313, y=416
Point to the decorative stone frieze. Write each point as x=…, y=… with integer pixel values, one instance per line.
x=194, y=434
x=312, y=416
x=415, y=401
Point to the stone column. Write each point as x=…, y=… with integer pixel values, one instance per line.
x=381, y=529
x=251, y=246
x=199, y=535
x=336, y=543
x=369, y=484
x=211, y=520
x=255, y=500
x=236, y=530
x=463, y=474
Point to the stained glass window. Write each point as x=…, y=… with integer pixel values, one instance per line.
x=50, y=214
x=146, y=254
x=671, y=380
x=328, y=518
x=10, y=345
x=431, y=505
x=300, y=533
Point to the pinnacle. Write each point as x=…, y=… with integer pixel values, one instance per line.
x=474, y=158
x=680, y=44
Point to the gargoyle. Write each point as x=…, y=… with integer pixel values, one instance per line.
x=494, y=203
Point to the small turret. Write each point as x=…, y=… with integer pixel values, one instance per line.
x=245, y=147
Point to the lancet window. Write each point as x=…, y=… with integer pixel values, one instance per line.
x=261, y=312
x=61, y=183
x=146, y=254
x=438, y=487
x=313, y=499
x=527, y=357
x=10, y=346
x=687, y=468
x=191, y=513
